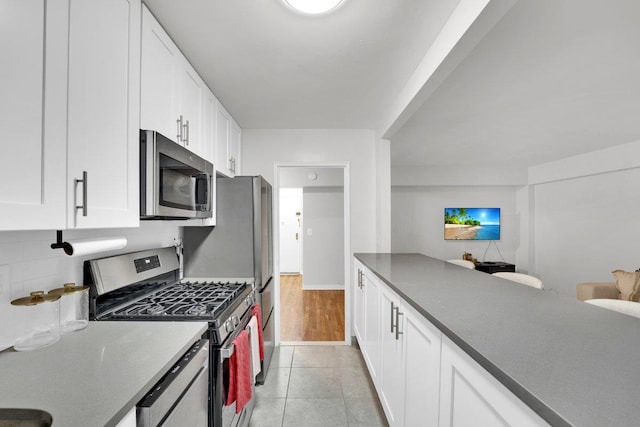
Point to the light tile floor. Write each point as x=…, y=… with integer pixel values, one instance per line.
x=317, y=386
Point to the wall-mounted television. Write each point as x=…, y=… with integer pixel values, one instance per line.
x=472, y=223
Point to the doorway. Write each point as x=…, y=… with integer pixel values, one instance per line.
x=312, y=244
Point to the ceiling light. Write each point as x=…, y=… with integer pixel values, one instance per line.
x=313, y=7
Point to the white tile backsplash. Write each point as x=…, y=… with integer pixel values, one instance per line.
x=27, y=263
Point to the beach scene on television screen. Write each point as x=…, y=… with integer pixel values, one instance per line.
x=472, y=223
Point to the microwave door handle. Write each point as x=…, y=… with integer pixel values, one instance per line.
x=202, y=189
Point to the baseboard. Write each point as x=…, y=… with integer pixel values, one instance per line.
x=328, y=287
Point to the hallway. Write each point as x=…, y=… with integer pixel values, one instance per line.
x=309, y=315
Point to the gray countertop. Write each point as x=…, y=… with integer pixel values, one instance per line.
x=96, y=375
x=573, y=363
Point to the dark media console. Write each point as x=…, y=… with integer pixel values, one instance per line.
x=495, y=267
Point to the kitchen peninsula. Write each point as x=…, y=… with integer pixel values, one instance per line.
x=502, y=352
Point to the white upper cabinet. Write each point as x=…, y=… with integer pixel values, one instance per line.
x=235, y=146
x=228, y=141
x=192, y=108
x=70, y=99
x=159, y=101
x=223, y=135
x=173, y=96
x=33, y=114
x=103, y=113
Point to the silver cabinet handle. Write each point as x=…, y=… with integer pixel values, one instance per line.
x=84, y=182
x=398, y=314
x=179, y=122
x=360, y=278
x=392, y=308
x=186, y=134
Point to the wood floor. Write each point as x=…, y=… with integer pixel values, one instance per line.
x=309, y=315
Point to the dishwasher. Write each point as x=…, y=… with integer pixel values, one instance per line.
x=181, y=397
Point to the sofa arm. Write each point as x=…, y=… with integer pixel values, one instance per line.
x=597, y=290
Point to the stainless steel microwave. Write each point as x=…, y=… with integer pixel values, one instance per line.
x=174, y=182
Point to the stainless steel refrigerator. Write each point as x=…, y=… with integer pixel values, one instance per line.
x=239, y=246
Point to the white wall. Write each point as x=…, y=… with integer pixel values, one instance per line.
x=323, y=241
x=262, y=148
x=586, y=217
x=417, y=224
x=27, y=263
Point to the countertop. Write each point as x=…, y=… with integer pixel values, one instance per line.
x=96, y=375
x=573, y=363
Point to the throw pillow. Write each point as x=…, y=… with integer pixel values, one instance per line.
x=628, y=283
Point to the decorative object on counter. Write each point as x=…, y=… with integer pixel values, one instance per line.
x=88, y=246
x=467, y=256
x=45, y=318
x=463, y=263
x=525, y=279
x=74, y=307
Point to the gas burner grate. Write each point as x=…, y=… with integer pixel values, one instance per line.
x=186, y=300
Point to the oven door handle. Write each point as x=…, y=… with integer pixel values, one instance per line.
x=228, y=351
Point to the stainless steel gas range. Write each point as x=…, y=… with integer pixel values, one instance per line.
x=145, y=286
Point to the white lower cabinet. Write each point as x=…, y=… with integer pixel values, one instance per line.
x=358, y=302
x=392, y=390
x=470, y=396
x=421, y=370
x=422, y=378
x=410, y=375
x=373, y=357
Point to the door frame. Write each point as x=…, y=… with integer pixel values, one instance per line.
x=345, y=166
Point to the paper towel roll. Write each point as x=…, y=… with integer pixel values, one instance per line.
x=90, y=246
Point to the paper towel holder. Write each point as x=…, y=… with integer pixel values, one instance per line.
x=59, y=244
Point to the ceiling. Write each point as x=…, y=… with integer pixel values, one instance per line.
x=274, y=68
x=552, y=79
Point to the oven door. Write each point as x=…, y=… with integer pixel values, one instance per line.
x=227, y=414
x=175, y=183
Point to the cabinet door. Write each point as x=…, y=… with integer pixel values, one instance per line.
x=104, y=112
x=159, y=91
x=372, y=331
x=421, y=370
x=392, y=375
x=235, y=142
x=210, y=127
x=33, y=114
x=470, y=396
x=223, y=132
x=192, y=104
x=358, y=304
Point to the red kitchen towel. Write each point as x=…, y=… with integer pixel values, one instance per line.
x=255, y=311
x=240, y=373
